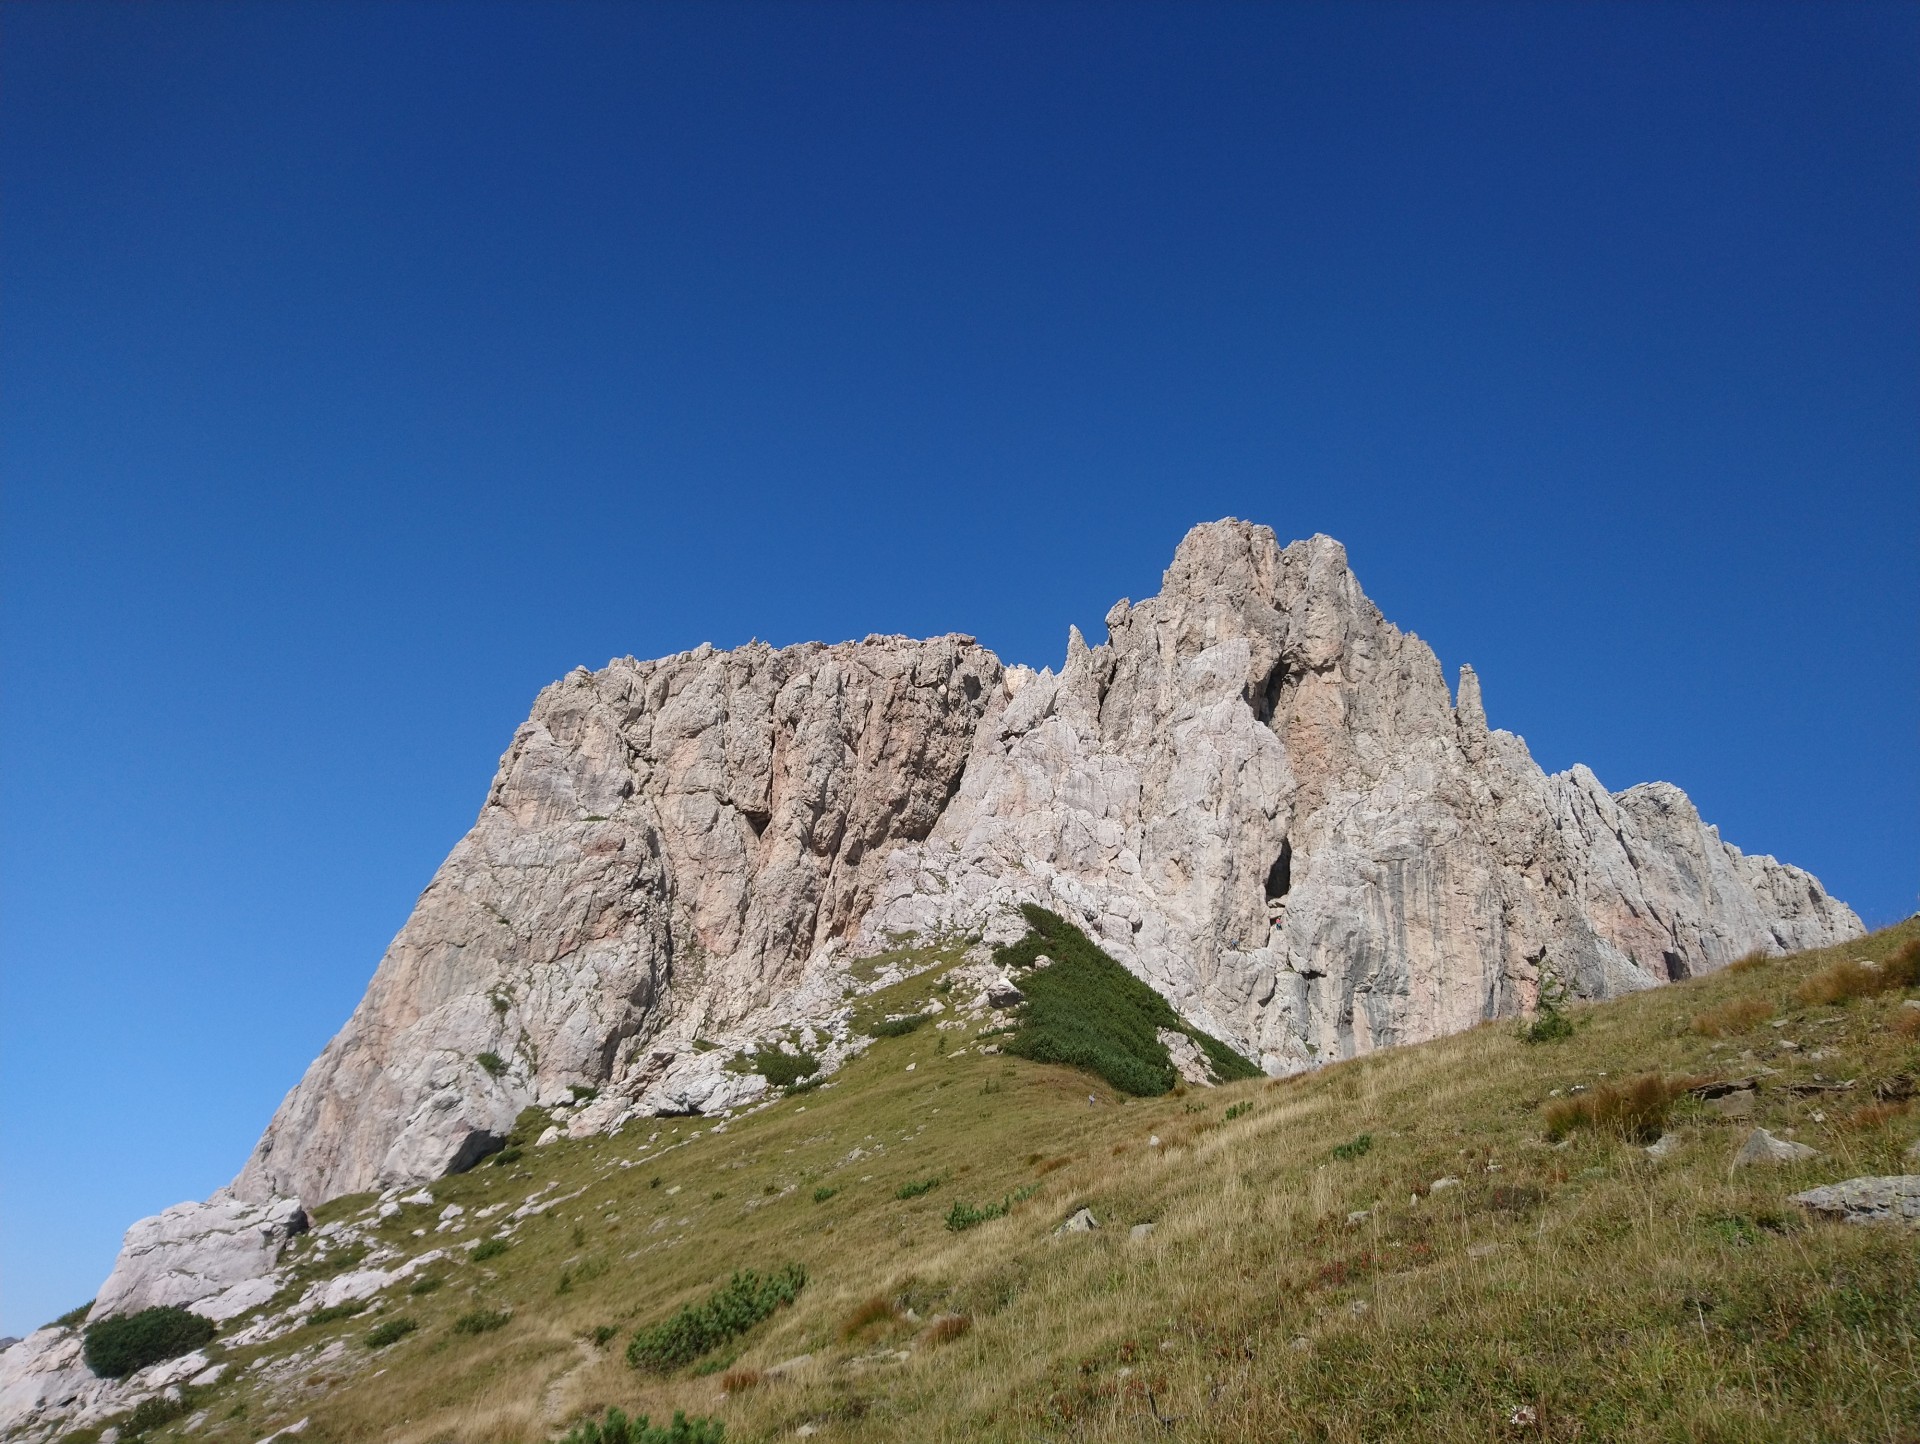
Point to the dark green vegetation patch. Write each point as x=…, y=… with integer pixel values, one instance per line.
x=117, y=1347
x=743, y=1301
x=1087, y=1011
x=781, y=1069
x=617, y=1428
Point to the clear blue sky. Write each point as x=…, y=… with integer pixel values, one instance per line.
x=364, y=368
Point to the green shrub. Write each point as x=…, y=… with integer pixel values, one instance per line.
x=1357, y=1148
x=696, y=1329
x=151, y=1413
x=1239, y=1110
x=916, y=1189
x=73, y=1318
x=617, y=1428
x=1087, y=1011
x=481, y=1321
x=426, y=1284
x=391, y=1332
x=823, y=1193
x=1549, y=1025
x=510, y=1154
x=963, y=1216
x=898, y=1027
x=781, y=1069
x=492, y=1062
x=337, y=1312
x=489, y=1248
x=119, y=1346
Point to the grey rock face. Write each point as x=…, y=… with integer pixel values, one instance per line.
x=1261, y=797
x=194, y=1254
x=665, y=845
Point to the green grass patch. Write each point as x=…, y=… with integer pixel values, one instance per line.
x=1354, y=1148
x=1085, y=1010
x=490, y=1248
x=917, y=1189
x=696, y=1329
x=780, y=1068
x=897, y=1027
x=492, y=1062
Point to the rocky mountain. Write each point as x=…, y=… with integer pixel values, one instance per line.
x=1258, y=794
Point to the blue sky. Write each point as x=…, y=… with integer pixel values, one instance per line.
x=364, y=368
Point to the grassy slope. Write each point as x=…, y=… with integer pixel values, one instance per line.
x=1613, y=1297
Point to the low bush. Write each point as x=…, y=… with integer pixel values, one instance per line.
x=916, y=1189
x=1906, y=1022
x=738, y=1381
x=1238, y=1110
x=426, y=1284
x=1087, y=1011
x=492, y=1062
x=1735, y=1016
x=1635, y=1110
x=481, y=1321
x=1356, y=1148
x=1750, y=962
x=963, y=1216
x=1902, y=970
x=823, y=1193
x=391, y=1332
x=897, y=1027
x=782, y=1069
x=1549, y=1025
x=617, y=1428
x=489, y=1248
x=73, y=1318
x=150, y=1414
x=337, y=1312
x=117, y=1347
x=744, y=1300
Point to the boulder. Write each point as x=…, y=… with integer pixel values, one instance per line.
x=1884, y=1200
x=1002, y=993
x=1762, y=1147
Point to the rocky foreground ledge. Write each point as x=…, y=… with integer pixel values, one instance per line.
x=1257, y=794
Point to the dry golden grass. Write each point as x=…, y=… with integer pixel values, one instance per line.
x=1839, y=982
x=738, y=1381
x=1635, y=1110
x=1906, y=1023
x=1736, y=1015
x=1616, y=1298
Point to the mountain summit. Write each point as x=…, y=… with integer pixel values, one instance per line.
x=1258, y=795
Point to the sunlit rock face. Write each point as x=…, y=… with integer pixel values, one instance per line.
x=1262, y=797
x=664, y=847
x=1257, y=793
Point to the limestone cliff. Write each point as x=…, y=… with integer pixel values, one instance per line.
x=1262, y=797
x=1256, y=793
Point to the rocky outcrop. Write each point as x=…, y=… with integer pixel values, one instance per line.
x=1261, y=796
x=1257, y=793
x=208, y=1257
x=664, y=847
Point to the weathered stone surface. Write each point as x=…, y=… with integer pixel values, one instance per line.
x=1762, y=1147
x=664, y=847
x=1889, y=1200
x=1260, y=796
x=197, y=1251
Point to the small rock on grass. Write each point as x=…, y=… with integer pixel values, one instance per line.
x=1762, y=1147
x=1140, y=1231
x=1663, y=1147
x=1081, y=1222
